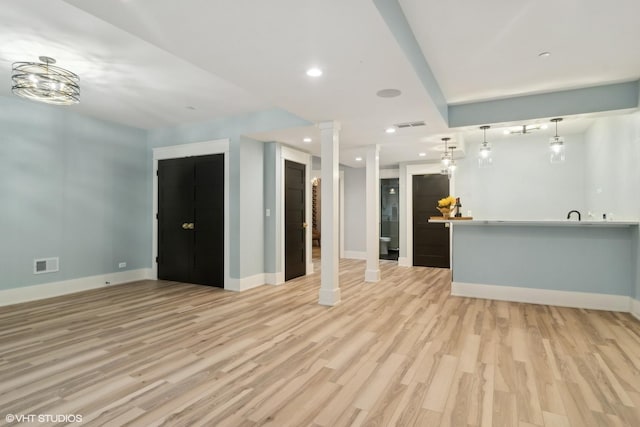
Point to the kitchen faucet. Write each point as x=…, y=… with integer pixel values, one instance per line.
x=578, y=212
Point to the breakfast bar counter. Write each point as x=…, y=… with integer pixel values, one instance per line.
x=591, y=264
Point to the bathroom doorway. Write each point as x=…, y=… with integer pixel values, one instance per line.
x=389, y=219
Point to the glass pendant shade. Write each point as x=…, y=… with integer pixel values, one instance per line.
x=446, y=158
x=45, y=82
x=484, y=153
x=556, y=144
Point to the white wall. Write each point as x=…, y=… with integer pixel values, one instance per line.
x=613, y=167
x=522, y=184
x=613, y=175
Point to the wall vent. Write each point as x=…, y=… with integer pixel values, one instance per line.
x=410, y=124
x=45, y=265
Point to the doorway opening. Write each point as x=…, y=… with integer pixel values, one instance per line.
x=389, y=219
x=316, y=226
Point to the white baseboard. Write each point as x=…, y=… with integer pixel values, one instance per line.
x=543, y=296
x=329, y=297
x=403, y=261
x=355, y=255
x=635, y=308
x=54, y=289
x=309, y=268
x=274, y=278
x=372, y=275
x=238, y=285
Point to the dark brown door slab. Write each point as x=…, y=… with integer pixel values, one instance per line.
x=191, y=220
x=294, y=220
x=430, y=241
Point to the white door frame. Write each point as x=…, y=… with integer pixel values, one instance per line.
x=420, y=169
x=220, y=146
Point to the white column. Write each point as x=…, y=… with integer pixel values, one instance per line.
x=372, y=273
x=330, y=238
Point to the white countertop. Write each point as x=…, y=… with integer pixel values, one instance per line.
x=539, y=223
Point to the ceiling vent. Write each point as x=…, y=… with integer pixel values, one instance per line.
x=410, y=125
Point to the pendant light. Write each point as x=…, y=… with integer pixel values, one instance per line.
x=484, y=154
x=45, y=82
x=452, y=164
x=446, y=158
x=556, y=144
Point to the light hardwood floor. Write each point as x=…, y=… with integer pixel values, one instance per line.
x=399, y=352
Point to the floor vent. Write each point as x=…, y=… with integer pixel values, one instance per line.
x=45, y=265
x=410, y=125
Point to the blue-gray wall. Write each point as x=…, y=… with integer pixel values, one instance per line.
x=271, y=254
x=80, y=188
x=72, y=187
x=355, y=203
x=578, y=258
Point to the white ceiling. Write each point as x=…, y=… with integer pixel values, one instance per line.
x=142, y=62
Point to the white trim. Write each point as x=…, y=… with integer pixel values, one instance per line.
x=341, y=213
x=288, y=153
x=220, y=146
x=329, y=297
x=54, y=289
x=543, y=296
x=403, y=261
x=238, y=285
x=635, y=308
x=372, y=214
x=372, y=276
x=274, y=279
x=421, y=169
x=355, y=255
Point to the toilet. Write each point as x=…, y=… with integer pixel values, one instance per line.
x=384, y=242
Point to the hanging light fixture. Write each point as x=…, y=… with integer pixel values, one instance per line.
x=446, y=158
x=484, y=154
x=45, y=82
x=452, y=165
x=556, y=143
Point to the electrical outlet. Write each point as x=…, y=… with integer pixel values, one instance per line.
x=122, y=265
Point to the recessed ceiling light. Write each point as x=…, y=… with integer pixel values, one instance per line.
x=544, y=54
x=314, y=72
x=358, y=159
x=390, y=130
x=307, y=139
x=388, y=93
x=422, y=154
